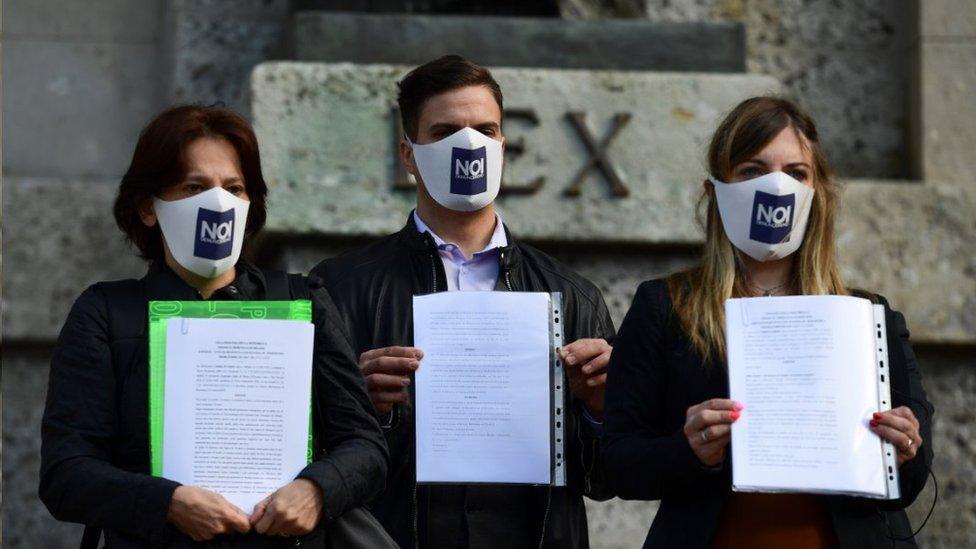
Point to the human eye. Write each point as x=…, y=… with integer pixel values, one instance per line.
x=799, y=175
x=749, y=172
x=191, y=188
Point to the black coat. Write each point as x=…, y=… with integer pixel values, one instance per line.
x=373, y=288
x=94, y=435
x=656, y=375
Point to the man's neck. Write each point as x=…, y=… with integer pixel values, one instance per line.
x=471, y=231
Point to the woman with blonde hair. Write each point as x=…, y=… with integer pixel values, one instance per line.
x=668, y=415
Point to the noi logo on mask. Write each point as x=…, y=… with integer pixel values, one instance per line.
x=468, y=171
x=215, y=234
x=772, y=217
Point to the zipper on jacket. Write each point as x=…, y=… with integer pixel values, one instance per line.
x=507, y=272
x=433, y=273
x=545, y=518
x=416, y=537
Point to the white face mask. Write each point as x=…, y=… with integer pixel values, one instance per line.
x=764, y=217
x=463, y=171
x=204, y=232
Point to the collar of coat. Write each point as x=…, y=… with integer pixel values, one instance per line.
x=418, y=242
x=162, y=283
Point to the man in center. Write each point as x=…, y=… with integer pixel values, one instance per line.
x=455, y=241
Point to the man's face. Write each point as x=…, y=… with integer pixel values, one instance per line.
x=444, y=114
x=471, y=106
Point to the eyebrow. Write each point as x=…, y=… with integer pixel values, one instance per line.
x=759, y=161
x=195, y=176
x=449, y=126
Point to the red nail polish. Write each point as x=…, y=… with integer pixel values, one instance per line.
x=738, y=406
x=877, y=415
x=734, y=416
x=874, y=423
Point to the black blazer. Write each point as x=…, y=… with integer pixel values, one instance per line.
x=94, y=435
x=656, y=375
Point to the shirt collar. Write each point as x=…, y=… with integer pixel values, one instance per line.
x=498, y=238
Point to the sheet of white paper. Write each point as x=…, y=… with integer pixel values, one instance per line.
x=236, y=405
x=483, y=387
x=804, y=369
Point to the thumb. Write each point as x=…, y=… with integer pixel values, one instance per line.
x=238, y=519
x=259, y=510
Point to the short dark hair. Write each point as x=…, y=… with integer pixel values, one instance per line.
x=434, y=78
x=159, y=162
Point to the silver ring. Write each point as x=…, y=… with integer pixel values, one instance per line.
x=909, y=445
x=703, y=436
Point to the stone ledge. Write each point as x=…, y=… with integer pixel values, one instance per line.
x=529, y=42
x=328, y=135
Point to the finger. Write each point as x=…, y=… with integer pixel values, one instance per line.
x=905, y=412
x=893, y=421
x=597, y=365
x=706, y=418
x=264, y=525
x=597, y=381
x=259, y=509
x=721, y=404
x=390, y=365
x=405, y=352
x=388, y=397
x=582, y=351
x=713, y=445
x=386, y=382
x=717, y=432
x=238, y=521
x=897, y=438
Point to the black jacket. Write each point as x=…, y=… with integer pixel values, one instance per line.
x=655, y=375
x=373, y=288
x=94, y=435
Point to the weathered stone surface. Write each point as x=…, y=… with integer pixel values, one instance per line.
x=529, y=42
x=848, y=63
x=102, y=21
x=327, y=139
x=26, y=522
x=950, y=381
x=74, y=109
x=915, y=245
x=213, y=44
x=59, y=237
x=949, y=109
x=947, y=19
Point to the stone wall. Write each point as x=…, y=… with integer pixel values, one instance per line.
x=849, y=63
x=890, y=82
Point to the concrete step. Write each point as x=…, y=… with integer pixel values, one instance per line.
x=410, y=39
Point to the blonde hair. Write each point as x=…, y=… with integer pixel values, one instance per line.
x=699, y=294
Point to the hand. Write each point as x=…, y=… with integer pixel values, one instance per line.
x=900, y=428
x=708, y=427
x=586, y=362
x=293, y=510
x=387, y=372
x=202, y=514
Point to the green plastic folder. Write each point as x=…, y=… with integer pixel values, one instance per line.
x=161, y=311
